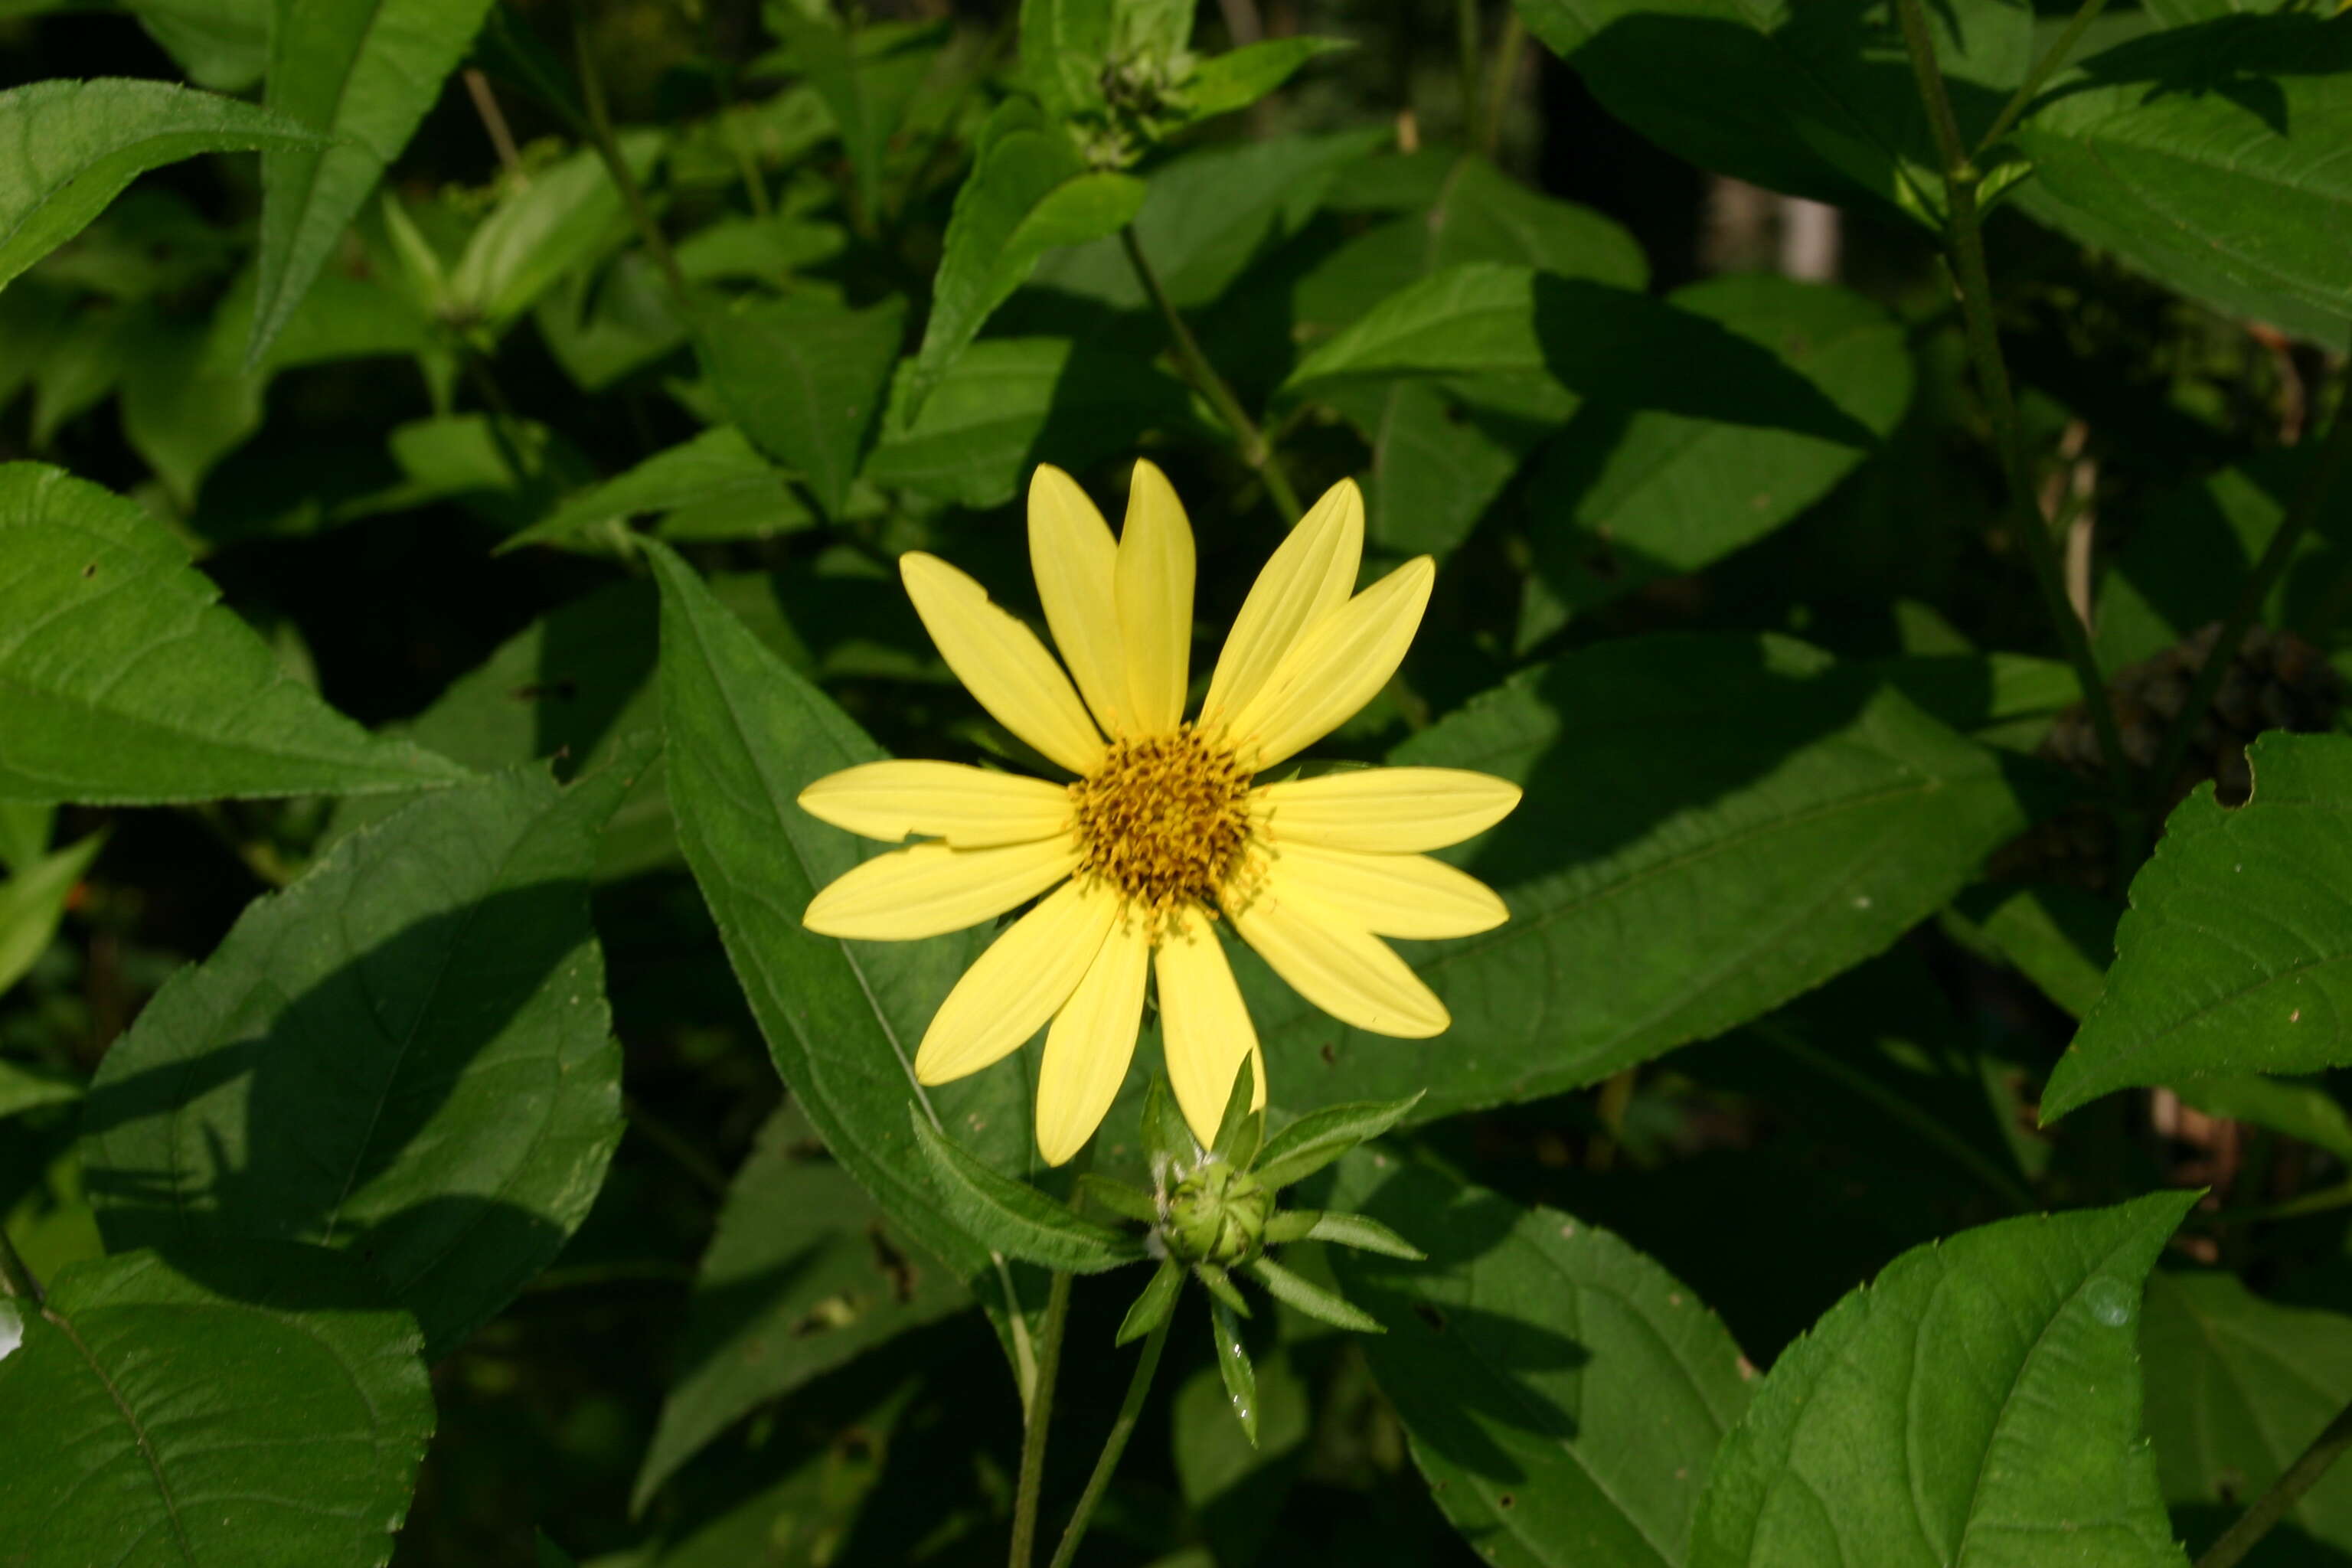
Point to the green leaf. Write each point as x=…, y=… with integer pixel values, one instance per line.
x=566, y=216
x=1319, y=1137
x=1118, y=1198
x=1240, y=1130
x=1979, y=1402
x=24, y=1088
x=801, y=1275
x=804, y=380
x=1151, y=1308
x=33, y=901
x=2236, y=1389
x=25, y=831
x=1233, y=1366
x=2270, y=995
x=1564, y=1394
x=717, y=474
x=867, y=80
x=2297, y=1108
x=1713, y=824
x=1305, y=1296
x=1065, y=45
x=1363, y=1234
x=746, y=735
x=407, y=1054
x=1207, y=214
x=2206, y=156
x=1029, y=192
x=1628, y=494
x=181, y=411
x=93, y=593
x=254, y=1406
x=363, y=72
x=1235, y=1486
x=1441, y=454
x=1815, y=99
x=1239, y=78
x=73, y=145
x=1007, y=404
x=1168, y=1142
x=1014, y=1217
x=219, y=44
x=2058, y=937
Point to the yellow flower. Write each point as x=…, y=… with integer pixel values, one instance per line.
x=1164, y=826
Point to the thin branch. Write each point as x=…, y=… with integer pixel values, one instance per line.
x=2285, y=1493
x=494, y=120
x=1040, y=1417
x=1129, y=1409
x=1965, y=238
x=1504, y=82
x=2060, y=51
x=608, y=148
x=16, y=1281
x=1255, y=449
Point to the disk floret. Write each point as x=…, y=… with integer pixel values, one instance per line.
x=1164, y=819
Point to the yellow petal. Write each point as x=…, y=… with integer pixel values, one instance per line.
x=1155, y=600
x=1072, y=552
x=1205, y=1029
x=971, y=808
x=1091, y=1043
x=925, y=889
x=1336, y=964
x=1337, y=666
x=1019, y=983
x=1391, y=895
x=1001, y=662
x=1392, y=810
x=1309, y=576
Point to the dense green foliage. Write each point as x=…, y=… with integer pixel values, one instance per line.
x=1883, y=462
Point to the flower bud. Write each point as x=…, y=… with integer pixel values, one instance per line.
x=1217, y=1214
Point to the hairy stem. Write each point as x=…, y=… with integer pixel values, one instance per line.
x=2059, y=52
x=16, y=1281
x=1039, y=1416
x=1506, y=78
x=1129, y=1408
x=2301, y=512
x=1256, y=452
x=1964, y=236
x=2285, y=1492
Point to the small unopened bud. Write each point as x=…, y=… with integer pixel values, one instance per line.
x=1217, y=1214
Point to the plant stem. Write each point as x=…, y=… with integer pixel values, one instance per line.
x=2043, y=69
x=1465, y=17
x=16, y=1281
x=1255, y=449
x=2285, y=1493
x=681, y=1150
x=1505, y=80
x=1039, y=1416
x=2301, y=513
x=1964, y=236
x=1129, y=1408
x=608, y=148
x=504, y=429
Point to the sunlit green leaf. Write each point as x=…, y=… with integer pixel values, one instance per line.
x=92, y=592
x=363, y=72
x=1712, y=825
x=564, y=218
x=407, y=1054
x=805, y=380
x=1979, y=1402
x=250, y=1406
x=717, y=474
x=33, y=901
x=73, y=145
x=2231, y=958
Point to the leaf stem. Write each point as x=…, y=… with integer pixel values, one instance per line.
x=1964, y=238
x=2285, y=1493
x=16, y=1281
x=1129, y=1409
x=608, y=148
x=1039, y=1415
x=2043, y=69
x=1506, y=78
x=2301, y=513
x=1256, y=452
x=1466, y=17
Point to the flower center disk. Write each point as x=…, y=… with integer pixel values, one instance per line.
x=1163, y=819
